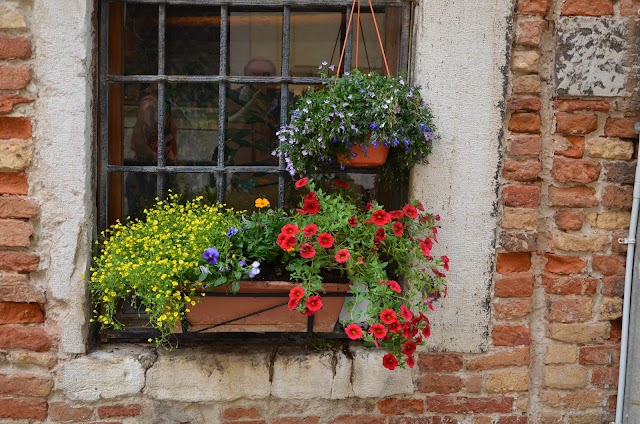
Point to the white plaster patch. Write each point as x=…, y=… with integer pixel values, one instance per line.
x=462, y=74
x=101, y=375
x=590, y=56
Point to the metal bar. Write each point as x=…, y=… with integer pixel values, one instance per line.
x=349, y=46
x=284, y=95
x=242, y=317
x=213, y=79
x=267, y=3
x=222, y=100
x=161, y=100
x=285, y=295
x=310, y=320
x=104, y=114
x=218, y=169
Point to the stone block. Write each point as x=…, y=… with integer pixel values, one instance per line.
x=519, y=218
x=561, y=353
x=11, y=17
x=565, y=376
x=580, y=242
x=610, y=309
x=579, y=333
x=507, y=381
x=525, y=61
x=590, y=53
x=615, y=220
x=606, y=148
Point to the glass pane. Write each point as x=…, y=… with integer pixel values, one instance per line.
x=255, y=43
x=315, y=37
x=192, y=40
x=369, y=57
x=242, y=189
x=139, y=40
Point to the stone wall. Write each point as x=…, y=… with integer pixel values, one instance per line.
x=554, y=122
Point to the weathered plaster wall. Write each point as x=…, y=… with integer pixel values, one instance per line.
x=464, y=75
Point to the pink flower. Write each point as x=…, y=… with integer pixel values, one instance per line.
x=314, y=303
x=302, y=182
x=388, y=316
x=354, y=332
x=378, y=330
x=342, y=256
x=389, y=361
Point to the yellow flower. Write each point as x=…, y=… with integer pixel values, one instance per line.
x=262, y=203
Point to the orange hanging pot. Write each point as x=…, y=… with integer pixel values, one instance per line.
x=367, y=156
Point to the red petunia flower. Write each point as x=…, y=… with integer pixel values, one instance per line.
x=396, y=214
x=368, y=206
x=307, y=251
x=301, y=211
x=409, y=330
x=409, y=348
x=293, y=304
x=310, y=196
x=411, y=361
x=406, y=313
x=302, y=182
x=311, y=207
x=410, y=211
x=342, y=256
x=426, y=249
x=310, y=230
x=398, y=229
x=314, y=303
x=438, y=217
x=438, y=273
x=280, y=239
x=426, y=332
x=381, y=234
x=352, y=221
x=445, y=261
x=389, y=361
x=288, y=243
x=393, y=285
x=341, y=183
x=419, y=206
x=325, y=240
x=435, y=234
x=378, y=330
x=354, y=332
x=296, y=293
x=388, y=316
x=394, y=327
x=290, y=229
x=380, y=217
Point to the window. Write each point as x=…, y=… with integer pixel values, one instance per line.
x=193, y=92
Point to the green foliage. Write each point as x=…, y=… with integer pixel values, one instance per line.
x=358, y=109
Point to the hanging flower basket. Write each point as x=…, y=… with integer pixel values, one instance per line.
x=365, y=157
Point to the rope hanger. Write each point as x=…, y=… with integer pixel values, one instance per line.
x=358, y=24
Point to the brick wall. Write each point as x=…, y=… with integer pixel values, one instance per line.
x=568, y=165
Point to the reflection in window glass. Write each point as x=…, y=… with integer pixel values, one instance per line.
x=140, y=39
x=255, y=35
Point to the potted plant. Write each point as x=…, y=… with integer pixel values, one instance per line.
x=350, y=116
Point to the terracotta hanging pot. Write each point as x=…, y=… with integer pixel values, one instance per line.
x=374, y=156
x=261, y=306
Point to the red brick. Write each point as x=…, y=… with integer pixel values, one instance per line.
x=527, y=170
x=529, y=32
x=17, y=288
x=401, y=406
x=14, y=233
x=569, y=309
x=533, y=7
x=14, y=77
x=509, y=335
x=15, y=127
x=576, y=149
x=599, y=355
x=569, y=220
x=572, y=197
x=620, y=197
x=19, y=337
x=439, y=383
x=587, y=8
x=447, y=362
x=568, y=285
x=575, y=170
x=422, y=420
x=516, y=285
x=13, y=183
x=20, y=313
x=559, y=264
x=64, y=412
x=240, y=413
x=25, y=385
x=512, y=358
x=9, y=101
x=609, y=265
x=464, y=405
x=296, y=420
x=12, y=47
x=18, y=261
x=243, y=422
x=620, y=172
x=578, y=105
x=613, y=286
x=525, y=123
x=605, y=377
x=524, y=145
x=513, y=262
x=23, y=408
x=15, y=207
x=512, y=420
x=616, y=331
x=530, y=104
x=474, y=384
x=576, y=124
x=110, y=411
x=629, y=8
x=621, y=127
x=358, y=419
x=512, y=310
x=521, y=196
